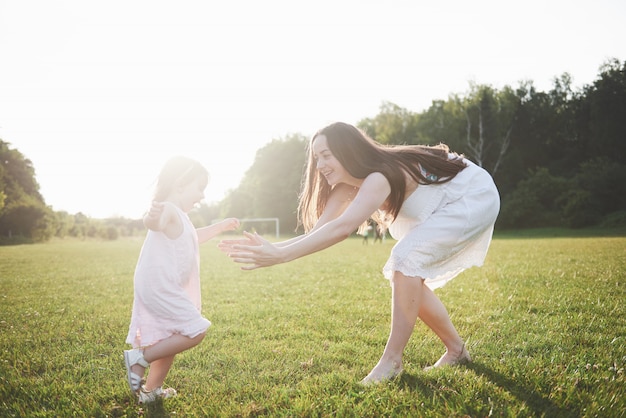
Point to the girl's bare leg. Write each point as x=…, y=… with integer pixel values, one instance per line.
x=165, y=349
x=406, y=298
x=434, y=314
x=158, y=371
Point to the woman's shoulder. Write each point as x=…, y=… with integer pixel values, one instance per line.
x=378, y=183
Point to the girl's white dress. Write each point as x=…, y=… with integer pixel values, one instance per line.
x=167, y=288
x=443, y=229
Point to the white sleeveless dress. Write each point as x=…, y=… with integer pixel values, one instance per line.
x=443, y=229
x=167, y=288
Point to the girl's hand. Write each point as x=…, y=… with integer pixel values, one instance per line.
x=163, y=217
x=229, y=224
x=254, y=251
x=152, y=219
x=155, y=210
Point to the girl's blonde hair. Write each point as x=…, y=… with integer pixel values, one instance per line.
x=178, y=171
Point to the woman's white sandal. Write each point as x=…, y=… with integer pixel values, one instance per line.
x=132, y=357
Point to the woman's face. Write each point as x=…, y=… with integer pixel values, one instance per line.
x=327, y=164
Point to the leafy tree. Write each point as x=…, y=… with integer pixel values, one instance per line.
x=112, y=228
x=64, y=222
x=79, y=226
x=535, y=202
x=594, y=196
x=23, y=212
x=205, y=214
x=556, y=156
x=600, y=116
x=270, y=187
x=236, y=203
x=541, y=127
x=480, y=125
x=392, y=125
x=489, y=116
x=441, y=123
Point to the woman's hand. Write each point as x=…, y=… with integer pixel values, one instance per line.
x=253, y=251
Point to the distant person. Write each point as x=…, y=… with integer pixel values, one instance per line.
x=166, y=317
x=440, y=207
x=366, y=234
x=379, y=234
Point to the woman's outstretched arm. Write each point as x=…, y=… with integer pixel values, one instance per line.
x=259, y=252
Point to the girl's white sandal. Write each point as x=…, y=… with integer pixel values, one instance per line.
x=132, y=357
x=145, y=396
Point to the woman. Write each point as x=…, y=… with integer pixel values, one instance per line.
x=438, y=205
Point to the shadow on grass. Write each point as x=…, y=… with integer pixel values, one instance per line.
x=156, y=409
x=538, y=403
x=129, y=407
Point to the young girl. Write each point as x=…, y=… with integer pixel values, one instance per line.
x=166, y=318
x=438, y=205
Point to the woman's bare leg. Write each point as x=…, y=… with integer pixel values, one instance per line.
x=406, y=298
x=434, y=314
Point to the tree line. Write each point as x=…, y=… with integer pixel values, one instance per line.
x=557, y=157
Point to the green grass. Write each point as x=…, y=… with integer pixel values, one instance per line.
x=544, y=319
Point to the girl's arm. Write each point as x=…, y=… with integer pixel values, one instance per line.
x=331, y=230
x=163, y=217
x=207, y=232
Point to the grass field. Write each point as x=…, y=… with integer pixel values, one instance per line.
x=544, y=319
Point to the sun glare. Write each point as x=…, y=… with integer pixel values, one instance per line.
x=98, y=100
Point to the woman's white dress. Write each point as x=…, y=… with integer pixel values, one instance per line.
x=167, y=288
x=443, y=229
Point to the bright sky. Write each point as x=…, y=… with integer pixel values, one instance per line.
x=99, y=94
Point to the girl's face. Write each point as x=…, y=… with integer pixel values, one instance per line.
x=327, y=164
x=191, y=194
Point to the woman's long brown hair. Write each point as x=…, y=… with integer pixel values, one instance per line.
x=360, y=155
